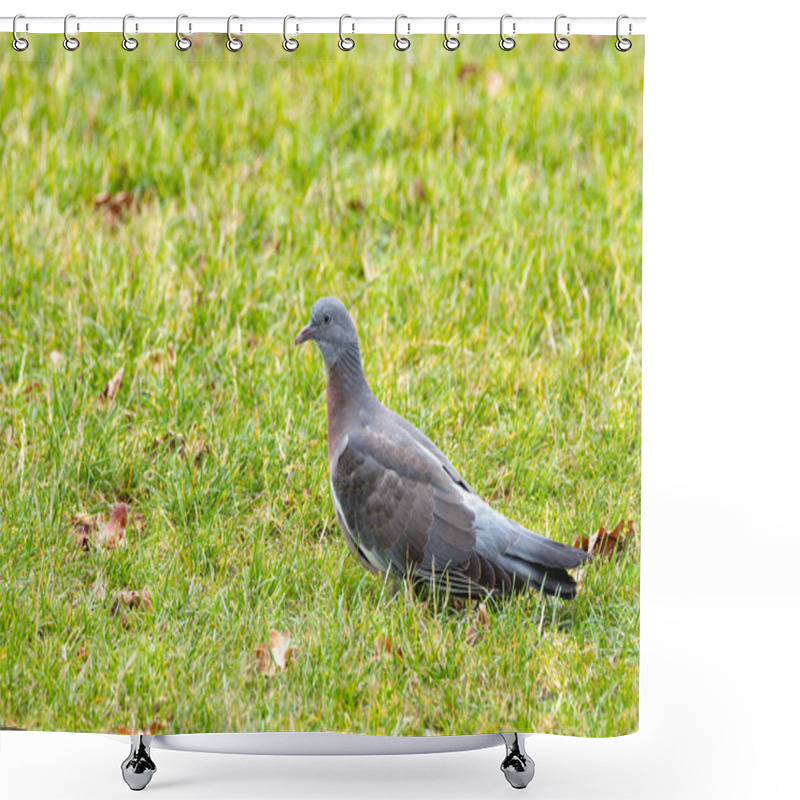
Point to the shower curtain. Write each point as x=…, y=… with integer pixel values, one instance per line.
x=173, y=555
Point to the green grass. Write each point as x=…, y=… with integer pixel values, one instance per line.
x=480, y=214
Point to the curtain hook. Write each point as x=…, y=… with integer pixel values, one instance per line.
x=400, y=42
x=70, y=42
x=506, y=42
x=233, y=44
x=289, y=44
x=345, y=42
x=450, y=42
x=128, y=42
x=561, y=44
x=181, y=42
x=19, y=44
x=622, y=44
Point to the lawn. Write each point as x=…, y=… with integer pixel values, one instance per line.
x=480, y=214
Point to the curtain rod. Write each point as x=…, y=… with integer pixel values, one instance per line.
x=406, y=25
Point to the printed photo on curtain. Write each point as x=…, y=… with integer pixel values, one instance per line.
x=320, y=383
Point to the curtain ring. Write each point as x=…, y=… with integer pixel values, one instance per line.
x=345, y=42
x=506, y=42
x=289, y=44
x=70, y=42
x=128, y=42
x=561, y=44
x=450, y=42
x=401, y=43
x=233, y=44
x=181, y=42
x=19, y=44
x=622, y=44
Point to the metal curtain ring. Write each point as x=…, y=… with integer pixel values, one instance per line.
x=18, y=43
x=70, y=42
x=561, y=44
x=450, y=42
x=181, y=42
x=289, y=44
x=622, y=44
x=400, y=42
x=506, y=42
x=233, y=44
x=345, y=42
x=128, y=42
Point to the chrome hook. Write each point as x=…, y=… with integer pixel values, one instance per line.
x=561, y=44
x=71, y=43
x=181, y=42
x=401, y=42
x=128, y=42
x=345, y=42
x=622, y=44
x=507, y=42
x=289, y=44
x=233, y=44
x=450, y=42
x=19, y=44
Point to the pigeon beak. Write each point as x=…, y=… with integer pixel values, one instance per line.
x=304, y=335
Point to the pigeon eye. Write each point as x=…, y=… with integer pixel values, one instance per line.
x=327, y=319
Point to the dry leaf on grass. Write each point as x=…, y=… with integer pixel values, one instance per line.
x=465, y=70
x=112, y=387
x=112, y=534
x=494, y=84
x=482, y=623
x=606, y=543
x=132, y=598
x=171, y=354
x=89, y=529
x=278, y=654
x=282, y=652
x=114, y=207
x=385, y=648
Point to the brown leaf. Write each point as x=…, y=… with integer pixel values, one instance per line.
x=385, y=648
x=473, y=636
x=606, y=543
x=465, y=70
x=114, y=208
x=112, y=534
x=494, y=84
x=171, y=354
x=418, y=192
x=482, y=617
x=132, y=598
x=84, y=527
x=112, y=387
x=264, y=659
x=282, y=652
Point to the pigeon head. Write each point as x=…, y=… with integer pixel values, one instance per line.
x=332, y=329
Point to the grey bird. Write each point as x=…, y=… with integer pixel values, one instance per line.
x=403, y=508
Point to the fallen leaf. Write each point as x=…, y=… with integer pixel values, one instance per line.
x=418, y=191
x=465, y=70
x=84, y=527
x=282, y=652
x=606, y=543
x=264, y=658
x=132, y=598
x=494, y=84
x=114, y=208
x=385, y=648
x=112, y=534
x=171, y=354
x=112, y=387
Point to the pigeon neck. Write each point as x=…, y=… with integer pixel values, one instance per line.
x=346, y=376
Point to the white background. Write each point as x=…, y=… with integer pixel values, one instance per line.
x=720, y=598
